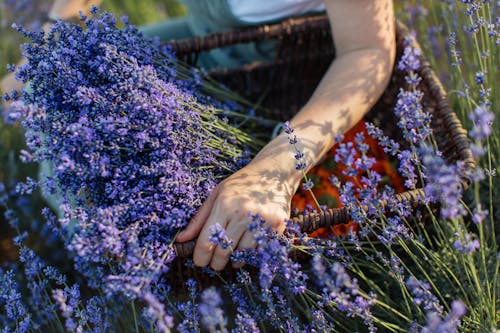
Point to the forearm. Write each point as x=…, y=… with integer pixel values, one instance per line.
x=348, y=90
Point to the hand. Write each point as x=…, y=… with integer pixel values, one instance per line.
x=67, y=9
x=250, y=190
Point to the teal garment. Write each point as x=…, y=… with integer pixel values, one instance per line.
x=211, y=16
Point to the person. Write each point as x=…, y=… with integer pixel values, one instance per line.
x=364, y=36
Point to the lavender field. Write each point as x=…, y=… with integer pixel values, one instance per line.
x=136, y=140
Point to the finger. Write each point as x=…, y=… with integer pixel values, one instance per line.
x=234, y=231
x=246, y=242
x=204, y=249
x=196, y=224
x=220, y=258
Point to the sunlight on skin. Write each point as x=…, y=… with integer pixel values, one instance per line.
x=364, y=36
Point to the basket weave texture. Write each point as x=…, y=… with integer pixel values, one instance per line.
x=283, y=86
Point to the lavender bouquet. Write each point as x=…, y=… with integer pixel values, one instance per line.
x=135, y=146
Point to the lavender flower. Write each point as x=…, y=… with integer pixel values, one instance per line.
x=26, y=12
x=422, y=296
x=406, y=168
x=245, y=324
x=443, y=182
x=340, y=289
x=156, y=311
x=414, y=122
x=189, y=309
x=447, y=325
x=467, y=245
x=218, y=236
x=479, y=215
x=410, y=61
x=212, y=315
x=273, y=260
x=16, y=314
x=482, y=119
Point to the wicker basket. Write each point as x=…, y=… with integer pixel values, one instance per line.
x=305, y=50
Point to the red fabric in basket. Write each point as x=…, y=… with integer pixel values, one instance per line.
x=329, y=195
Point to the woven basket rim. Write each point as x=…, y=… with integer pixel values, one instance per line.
x=333, y=216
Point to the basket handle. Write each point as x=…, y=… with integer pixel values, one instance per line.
x=307, y=222
x=197, y=44
x=324, y=219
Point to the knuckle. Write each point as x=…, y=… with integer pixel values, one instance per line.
x=224, y=202
x=204, y=247
x=222, y=253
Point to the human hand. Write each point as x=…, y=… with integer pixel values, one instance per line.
x=67, y=9
x=250, y=190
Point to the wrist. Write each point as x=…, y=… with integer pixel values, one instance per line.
x=276, y=160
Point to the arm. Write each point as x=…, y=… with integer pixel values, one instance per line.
x=363, y=31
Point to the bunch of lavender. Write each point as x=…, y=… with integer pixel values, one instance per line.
x=134, y=150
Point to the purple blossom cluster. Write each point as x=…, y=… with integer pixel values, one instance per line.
x=135, y=151
x=362, y=192
x=467, y=244
x=443, y=182
x=447, y=325
x=52, y=299
x=218, y=236
x=212, y=316
x=423, y=297
x=14, y=311
x=338, y=288
x=423, y=161
x=482, y=119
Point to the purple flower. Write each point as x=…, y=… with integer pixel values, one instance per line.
x=479, y=215
x=482, y=119
x=307, y=185
x=156, y=311
x=410, y=61
x=479, y=77
x=422, y=296
x=14, y=311
x=443, y=182
x=468, y=245
x=342, y=290
x=406, y=168
x=412, y=119
x=212, y=316
x=245, y=324
x=447, y=325
x=219, y=237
